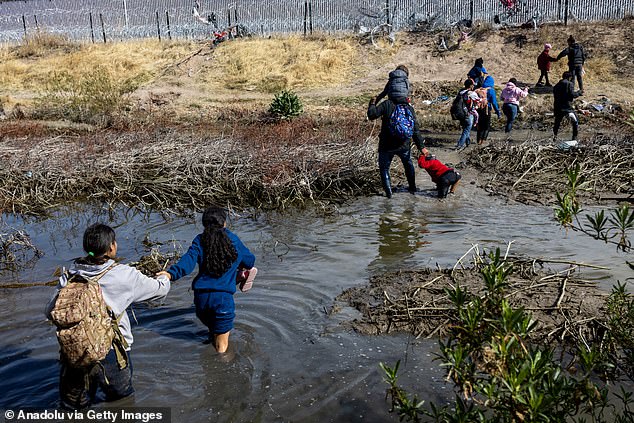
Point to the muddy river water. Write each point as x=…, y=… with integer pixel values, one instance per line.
x=289, y=360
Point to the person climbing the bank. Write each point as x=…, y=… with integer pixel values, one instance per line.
x=397, y=88
x=511, y=95
x=576, y=60
x=221, y=257
x=445, y=178
x=463, y=109
x=477, y=72
x=488, y=103
x=563, y=96
x=399, y=127
x=543, y=64
x=89, y=310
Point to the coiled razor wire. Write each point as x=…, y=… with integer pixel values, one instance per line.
x=124, y=19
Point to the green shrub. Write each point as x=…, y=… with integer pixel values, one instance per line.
x=286, y=105
x=501, y=377
x=94, y=97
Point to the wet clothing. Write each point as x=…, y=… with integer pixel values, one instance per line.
x=397, y=88
x=563, y=95
x=576, y=59
x=121, y=286
x=213, y=297
x=78, y=387
x=443, y=176
x=390, y=146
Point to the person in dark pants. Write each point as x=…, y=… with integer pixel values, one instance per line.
x=564, y=94
x=121, y=286
x=488, y=103
x=390, y=145
x=576, y=59
x=446, y=178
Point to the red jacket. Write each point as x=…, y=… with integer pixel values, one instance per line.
x=434, y=167
x=543, y=61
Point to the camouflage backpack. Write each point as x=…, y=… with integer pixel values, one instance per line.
x=86, y=326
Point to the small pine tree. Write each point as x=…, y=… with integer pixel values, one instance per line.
x=286, y=105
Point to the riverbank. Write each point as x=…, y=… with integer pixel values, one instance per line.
x=190, y=123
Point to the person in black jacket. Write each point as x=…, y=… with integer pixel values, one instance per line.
x=564, y=94
x=576, y=59
x=390, y=145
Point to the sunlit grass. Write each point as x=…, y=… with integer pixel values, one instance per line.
x=30, y=69
x=270, y=65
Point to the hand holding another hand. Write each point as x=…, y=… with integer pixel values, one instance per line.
x=164, y=273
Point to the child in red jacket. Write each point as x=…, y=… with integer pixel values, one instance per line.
x=543, y=64
x=446, y=178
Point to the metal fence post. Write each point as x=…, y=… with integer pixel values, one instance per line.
x=37, y=26
x=103, y=28
x=92, y=30
x=310, y=16
x=24, y=25
x=305, y=16
x=158, y=26
x=169, y=31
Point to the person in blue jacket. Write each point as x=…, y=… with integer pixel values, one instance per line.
x=486, y=107
x=219, y=254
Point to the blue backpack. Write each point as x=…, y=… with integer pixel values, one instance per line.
x=402, y=122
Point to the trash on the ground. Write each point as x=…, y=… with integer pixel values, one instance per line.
x=567, y=145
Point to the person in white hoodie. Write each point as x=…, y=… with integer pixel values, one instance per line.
x=511, y=95
x=121, y=285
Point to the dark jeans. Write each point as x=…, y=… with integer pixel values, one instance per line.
x=574, y=122
x=484, y=124
x=78, y=387
x=385, y=160
x=510, y=111
x=446, y=181
x=544, y=74
x=576, y=70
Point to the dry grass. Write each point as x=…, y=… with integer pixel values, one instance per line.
x=270, y=65
x=20, y=71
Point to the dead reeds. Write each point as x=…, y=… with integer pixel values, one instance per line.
x=265, y=165
x=418, y=301
x=534, y=171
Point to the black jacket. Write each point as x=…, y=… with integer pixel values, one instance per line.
x=387, y=142
x=575, y=53
x=564, y=94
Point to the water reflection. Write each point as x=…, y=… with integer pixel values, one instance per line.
x=292, y=360
x=401, y=232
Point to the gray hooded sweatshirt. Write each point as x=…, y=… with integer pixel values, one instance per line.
x=121, y=286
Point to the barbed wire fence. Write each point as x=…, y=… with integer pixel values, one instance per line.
x=98, y=21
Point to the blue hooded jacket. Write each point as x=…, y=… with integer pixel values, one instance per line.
x=194, y=256
x=491, y=94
